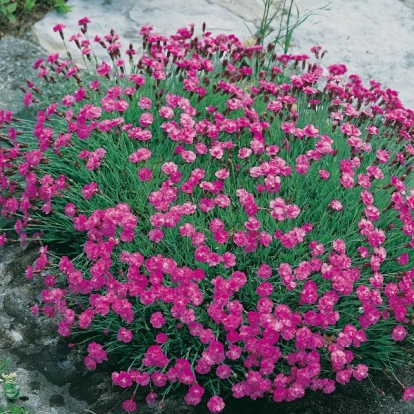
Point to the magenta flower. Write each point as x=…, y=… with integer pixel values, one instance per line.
x=89, y=190
x=58, y=27
x=142, y=154
x=90, y=363
x=144, y=174
x=151, y=398
x=360, y=372
x=264, y=271
x=399, y=333
x=129, y=406
x=28, y=99
x=156, y=235
x=137, y=79
x=194, y=395
x=145, y=103
x=125, y=335
x=104, y=69
x=146, y=119
x=161, y=338
x=96, y=352
x=215, y=404
x=408, y=394
x=122, y=379
x=157, y=320
x=336, y=205
x=83, y=21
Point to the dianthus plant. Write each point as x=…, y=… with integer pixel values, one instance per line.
x=215, y=216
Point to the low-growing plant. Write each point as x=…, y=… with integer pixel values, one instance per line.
x=12, y=11
x=235, y=229
x=11, y=390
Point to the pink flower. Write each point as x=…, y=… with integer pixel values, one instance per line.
x=96, y=352
x=264, y=271
x=399, y=333
x=129, y=406
x=198, y=238
x=125, y=335
x=166, y=112
x=157, y=320
x=223, y=371
x=336, y=205
x=338, y=358
x=28, y=99
x=146, y=119
x=90, y=363
x=140, y=134
x=264, y=289
x=159, y=379
x=138, y=79
x=122, y=379
x=103, y=69
x=68, y=100
x=215, y=404
x=329, y=387
x=89, y=190
x=141, y=154
x=403, y=259
x=382, y=156
x=188, y=156
x=221, y=237
x=145, y=174
x=216, y=225
x=145, y=103
x=408, y=394
x=63, y=329
x=337, y=70
x=244, y=153
x=194, y=395
x=155, y=235
x=59, y=27
x=83, y=21
x=151, y=398
x=344, y=376
x=161, y=338
x=229, y=260
x=360, y=372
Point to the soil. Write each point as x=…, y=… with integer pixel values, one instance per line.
x=25, y=20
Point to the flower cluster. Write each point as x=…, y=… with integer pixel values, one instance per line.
x=219, y=220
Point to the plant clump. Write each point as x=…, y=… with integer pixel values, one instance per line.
x=11, y=391
x=17, y=14
x=216, y=216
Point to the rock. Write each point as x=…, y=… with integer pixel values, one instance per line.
x=250, y=10
x=409, y=3
x=31, y=343
x=128, y=16
x=372, y=38
x=16, y=64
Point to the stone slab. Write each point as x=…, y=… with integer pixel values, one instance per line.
x=373, y=38
x=128, y=16
x=16, y=64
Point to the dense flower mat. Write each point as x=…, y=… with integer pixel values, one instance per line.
x=219, y=217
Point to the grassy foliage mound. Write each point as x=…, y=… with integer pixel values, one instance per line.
x=216, y=216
